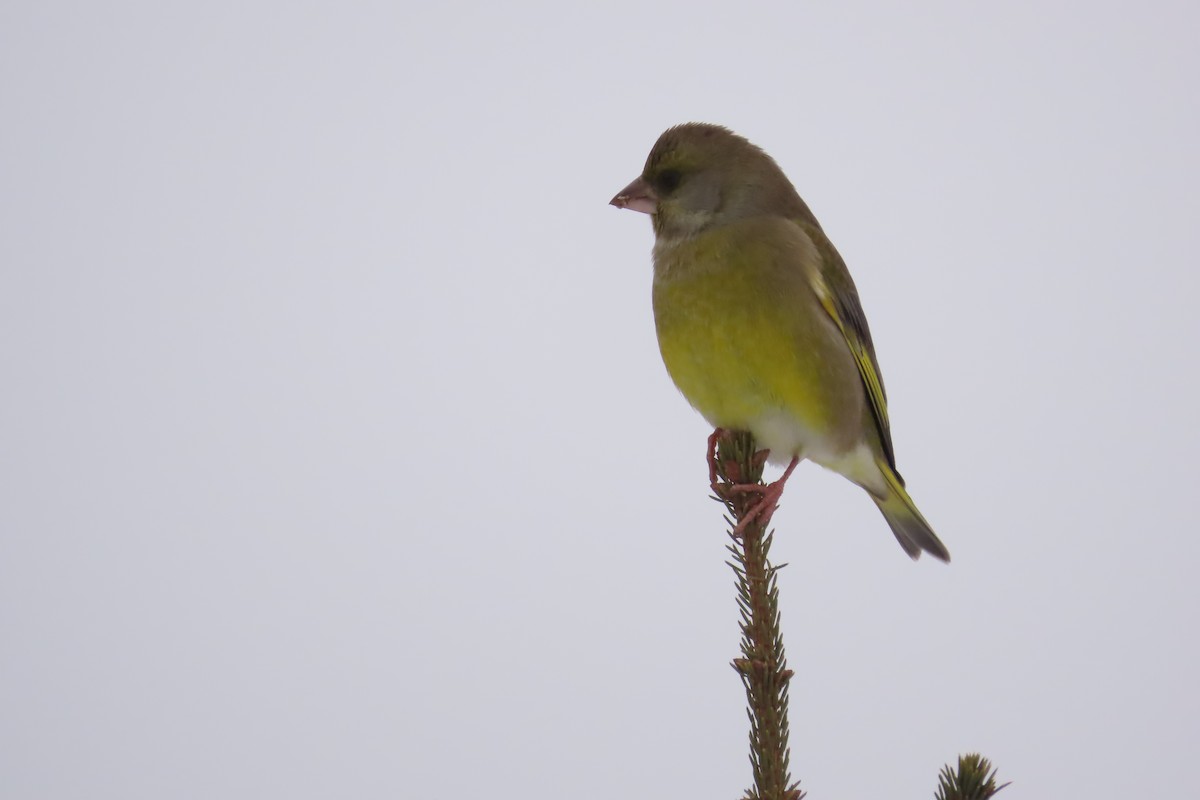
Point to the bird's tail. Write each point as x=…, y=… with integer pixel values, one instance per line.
x=910, y=528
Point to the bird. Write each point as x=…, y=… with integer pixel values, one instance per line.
x=759, y=323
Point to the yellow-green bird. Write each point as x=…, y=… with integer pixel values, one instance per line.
x=758, y=320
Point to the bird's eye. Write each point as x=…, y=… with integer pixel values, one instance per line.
x=668, y=180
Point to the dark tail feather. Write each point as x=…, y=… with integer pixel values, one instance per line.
x=911, y=530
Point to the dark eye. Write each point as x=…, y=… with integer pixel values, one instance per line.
x=668, y=181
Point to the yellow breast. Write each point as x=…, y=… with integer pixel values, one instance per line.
x=744, y=338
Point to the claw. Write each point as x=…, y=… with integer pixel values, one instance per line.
x=765, y=508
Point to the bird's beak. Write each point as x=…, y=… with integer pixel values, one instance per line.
x=637, y=196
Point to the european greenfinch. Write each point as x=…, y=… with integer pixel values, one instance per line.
x=759, y=322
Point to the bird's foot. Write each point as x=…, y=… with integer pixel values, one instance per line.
x=712, y=458
x=764, y=509
x=725, y=477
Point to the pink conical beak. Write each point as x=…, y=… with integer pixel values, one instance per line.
x=637, y=196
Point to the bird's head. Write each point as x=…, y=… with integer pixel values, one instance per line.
x=698, y=176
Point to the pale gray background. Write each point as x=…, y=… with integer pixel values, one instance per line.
x=337, y=458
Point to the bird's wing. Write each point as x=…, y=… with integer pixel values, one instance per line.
x=835, y=289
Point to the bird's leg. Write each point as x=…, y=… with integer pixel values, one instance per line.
x=764, y=509
x=731, y=472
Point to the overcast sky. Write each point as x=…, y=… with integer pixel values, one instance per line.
x=337, y=458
